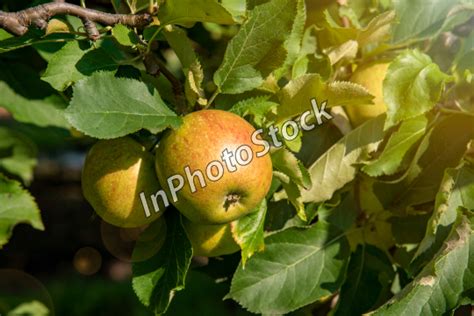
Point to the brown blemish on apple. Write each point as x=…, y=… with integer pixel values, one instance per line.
x=231, y=199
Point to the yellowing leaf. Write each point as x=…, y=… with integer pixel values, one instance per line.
x=295, y=97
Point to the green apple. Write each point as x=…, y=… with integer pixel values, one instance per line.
x=370, y=76
x=210, y=240
x=221, y=182
x=150, y=241
x=115, y=173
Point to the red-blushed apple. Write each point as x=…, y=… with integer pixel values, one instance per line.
x=223, y=173
x=115, y=173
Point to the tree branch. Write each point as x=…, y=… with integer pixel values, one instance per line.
x=17, y=22
x=154, y=66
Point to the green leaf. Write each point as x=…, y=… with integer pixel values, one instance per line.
x=293, y=43
x=248, y=232
x=257, y=108
x=308, y=61
x=377, y=30
x=203, y=292
x=409, y=229
x=346, y=51
x=284, y=161
x=264, y=32
x=412, y=86
x=185, y=12
x=42, y=112
x=47, y=49
x=456, y=190
x=398, y=145
x=10, y=43
x=310, y=212
x=332, y=35
x=16, y=206
x=276, y=281
x=340, y=212
x=156, y=280
x=292, y=192
x=74, y=61
x=442, y=147
x=296, y=95
x=350, y=14
x=124, y=35
x=335, y=168
x=17, y=154
x=30, y=100
x=279, y=213
x=107, y=107
x=368, y=280
x=444, y=281
x=465, y=57
x=420, y=19
x=237, y=8
x=316, y=142
x=183, y=47
x=4, y=35
x=125, y=6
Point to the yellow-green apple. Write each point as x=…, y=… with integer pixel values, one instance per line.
x=370, y=76
x=214, y=167
x=210, y=240
x=114, y=174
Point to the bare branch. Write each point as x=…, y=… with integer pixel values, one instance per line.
x=154, y=66
x=17, y=22
x=91, y=29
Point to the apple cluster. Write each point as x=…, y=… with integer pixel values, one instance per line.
x=229, y=161
x=119, y=174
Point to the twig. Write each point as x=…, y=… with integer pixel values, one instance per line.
x=17, y=23
x=212, y=98
x=91, y=29
x=150, y=42
x=154, y=66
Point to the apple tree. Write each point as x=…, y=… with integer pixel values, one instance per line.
x=365, y=200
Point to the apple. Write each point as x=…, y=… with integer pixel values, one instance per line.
x=210, y=240
x=114, y=174
x=370, y=76
x=222, y=182
x=150, y=241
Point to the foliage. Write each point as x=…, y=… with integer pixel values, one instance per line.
x=375, y=219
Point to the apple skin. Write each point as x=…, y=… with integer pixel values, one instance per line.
x=115, y=173
x=199, y=140
x=370, y=76
x=210, y=240
x=150, y=241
